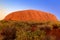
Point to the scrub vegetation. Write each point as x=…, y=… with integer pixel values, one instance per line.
x=18, y=30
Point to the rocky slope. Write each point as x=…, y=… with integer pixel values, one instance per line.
x=31, y=15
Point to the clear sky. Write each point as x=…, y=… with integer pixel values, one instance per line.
x=52, y=6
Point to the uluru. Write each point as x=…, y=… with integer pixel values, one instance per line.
x=31, y=15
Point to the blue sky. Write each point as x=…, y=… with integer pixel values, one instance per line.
x=52, y=6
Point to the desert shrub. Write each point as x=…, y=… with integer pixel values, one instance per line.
x=30, y=35
x=8, y=33
x=55, y=26
x=28, y=30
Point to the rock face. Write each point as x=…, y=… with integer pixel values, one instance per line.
x=30, y=15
